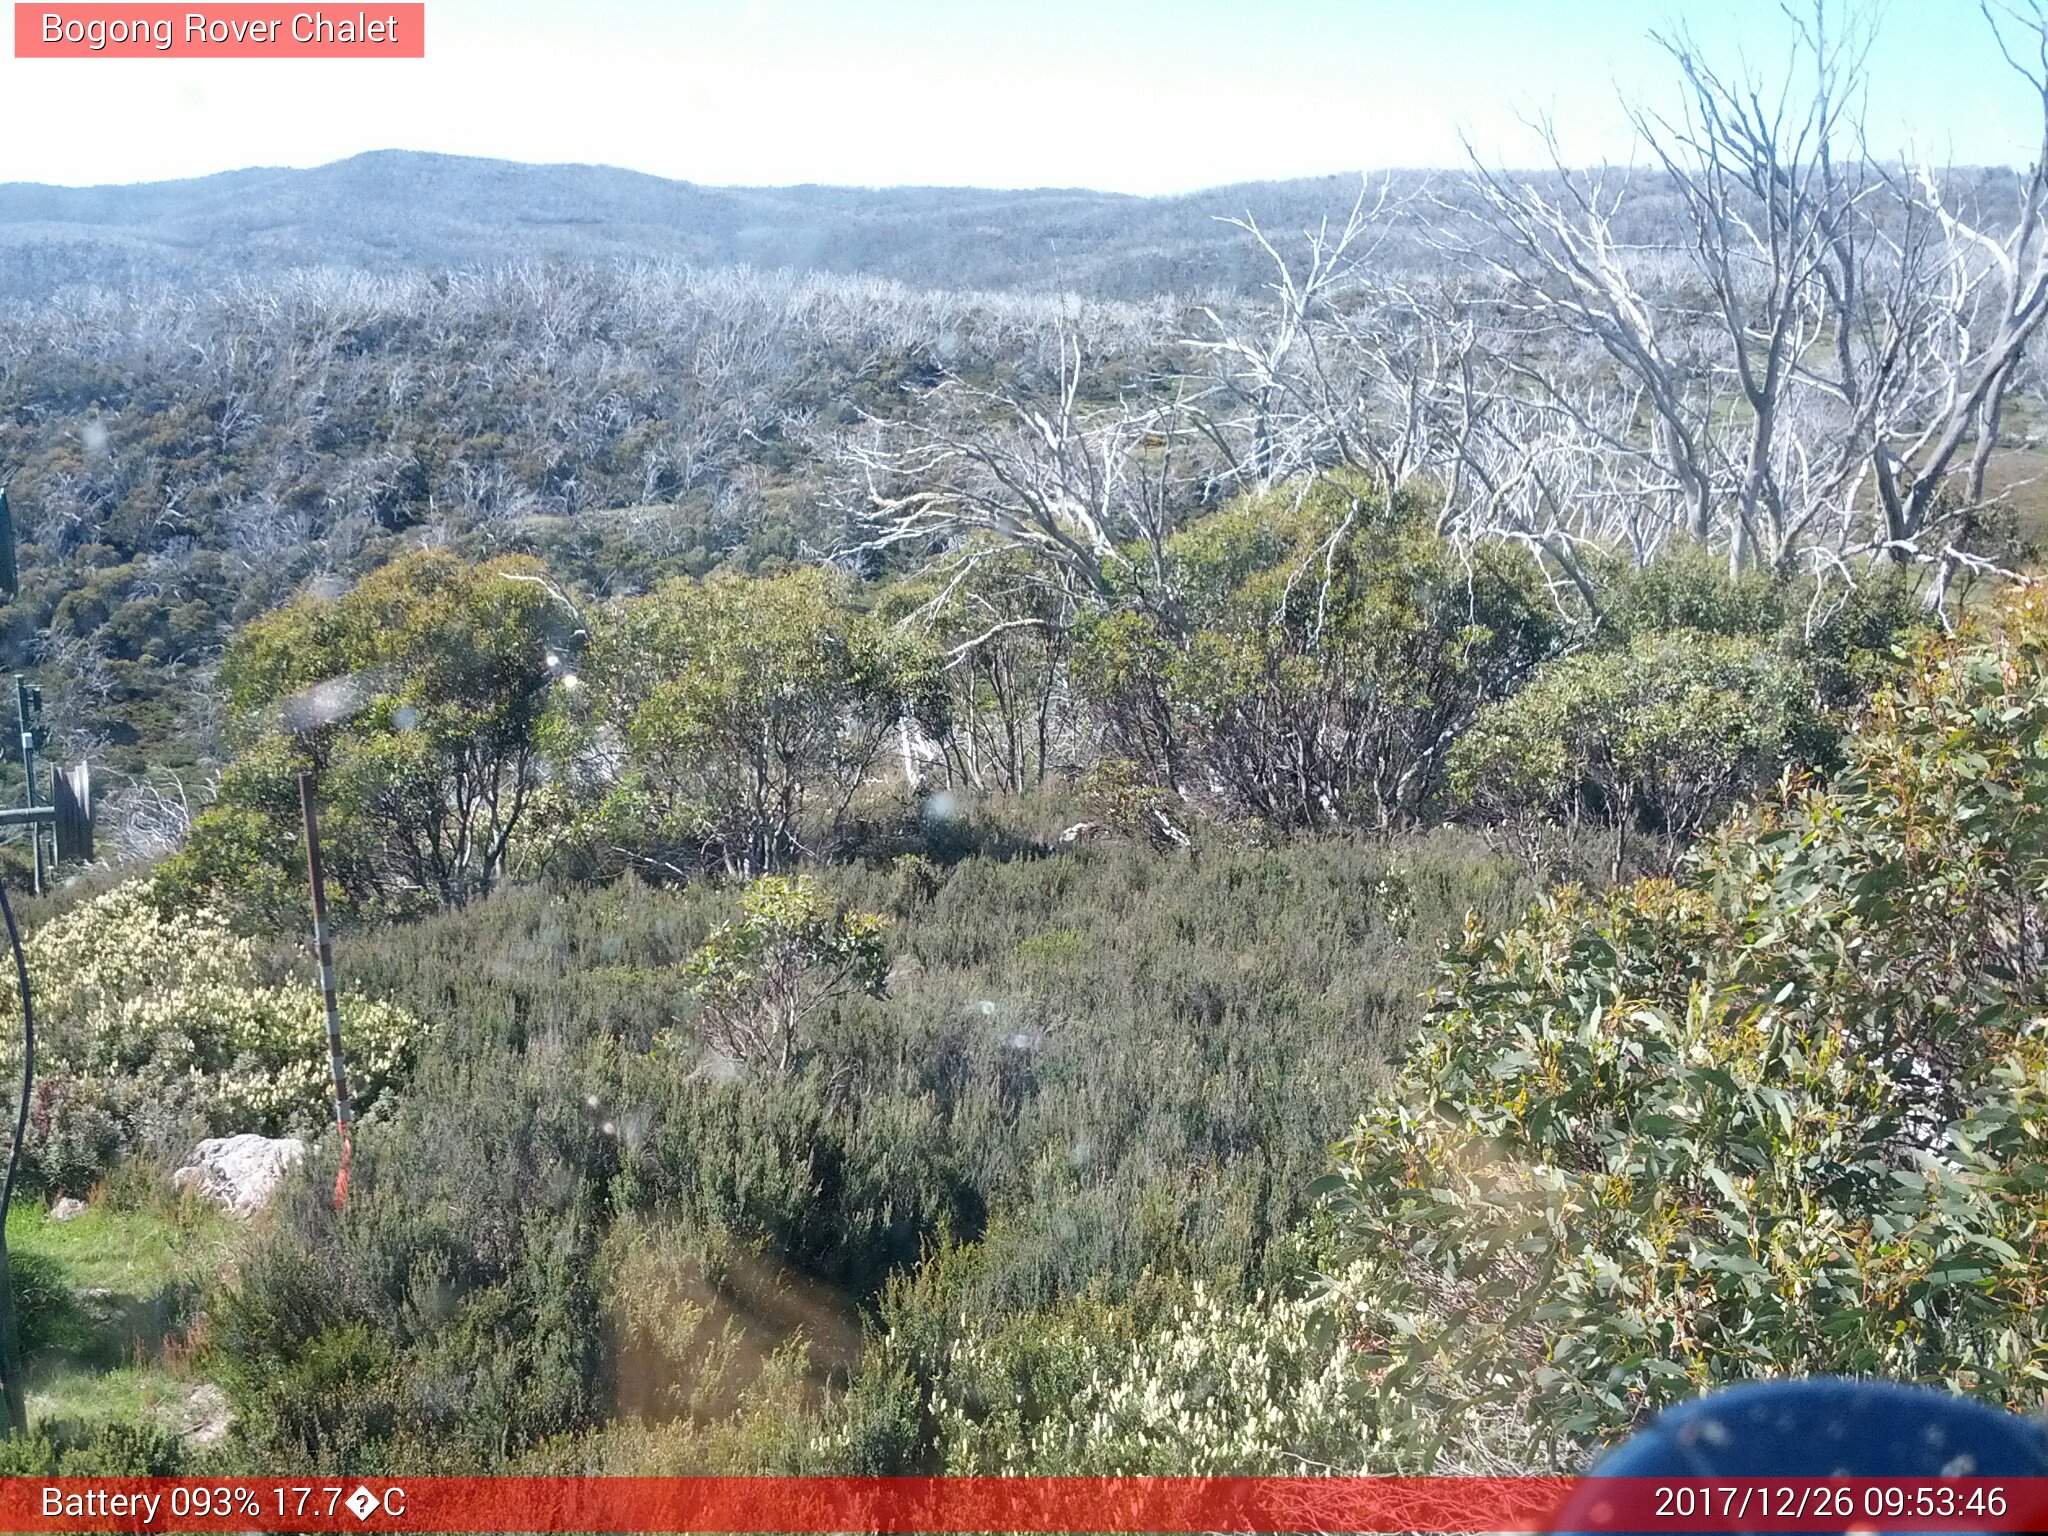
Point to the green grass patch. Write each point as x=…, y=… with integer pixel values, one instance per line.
x=127, y=1251
x=108, y=1303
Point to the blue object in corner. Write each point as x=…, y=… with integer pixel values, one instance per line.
x=1826, y=1426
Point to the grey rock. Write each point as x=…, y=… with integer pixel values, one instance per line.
x=204, y=1417
x=241, y=1172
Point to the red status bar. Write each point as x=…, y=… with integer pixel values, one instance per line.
x=1024, y=1504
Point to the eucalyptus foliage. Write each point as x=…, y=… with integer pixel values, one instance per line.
x=790, y=953
x=731, y=722
x=1311, y=654
x=1788, y=1115
x=1657, y=740
x=417, y=695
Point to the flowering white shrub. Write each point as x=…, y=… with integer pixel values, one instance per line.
x=139, y=1010
x=1215, y=1386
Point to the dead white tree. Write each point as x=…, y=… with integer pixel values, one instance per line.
x=1089, y=488
x=1765, y=338
x=149, y=816
x=1818, y=364
x=1340, y=365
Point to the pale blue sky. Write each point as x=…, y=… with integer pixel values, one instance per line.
x=1130, y=95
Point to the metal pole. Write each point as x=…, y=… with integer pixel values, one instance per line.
x=344, y=1114
x=28, y=767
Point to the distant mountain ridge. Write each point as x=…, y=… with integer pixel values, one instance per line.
x=401, y=209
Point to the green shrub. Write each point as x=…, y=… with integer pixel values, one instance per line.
x=107, y=1450
x=1311, y=654
x=1687, y=587
x=758, y=980
x=1151, y=1090
x=1658, y=741
x=1179, y=1380
x=1001, y=695
x=731, y=722
x=154, y=1028
x=1790, y=1116
x=1787, y=1116
x=44, y=1310
x=1846, y=637
x=448, y=1318
x=1852, y=641
x=418, y=695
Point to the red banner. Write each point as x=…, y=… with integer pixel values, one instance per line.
x=220, y=31
x=1025, y=1504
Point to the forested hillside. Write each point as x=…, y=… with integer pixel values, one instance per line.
x=400, y=211
x=1384, y=868
x=394, y=211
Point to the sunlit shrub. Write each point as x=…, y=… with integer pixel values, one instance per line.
x=790, y=953
x=732, y=722
x=1655, y=742
x=154, y=1024
x=1208, y=1384
x=1311, y=655
x=1787, y=1116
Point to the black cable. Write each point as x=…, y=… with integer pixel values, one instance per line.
x=28, y=1060
x=11, y=1385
